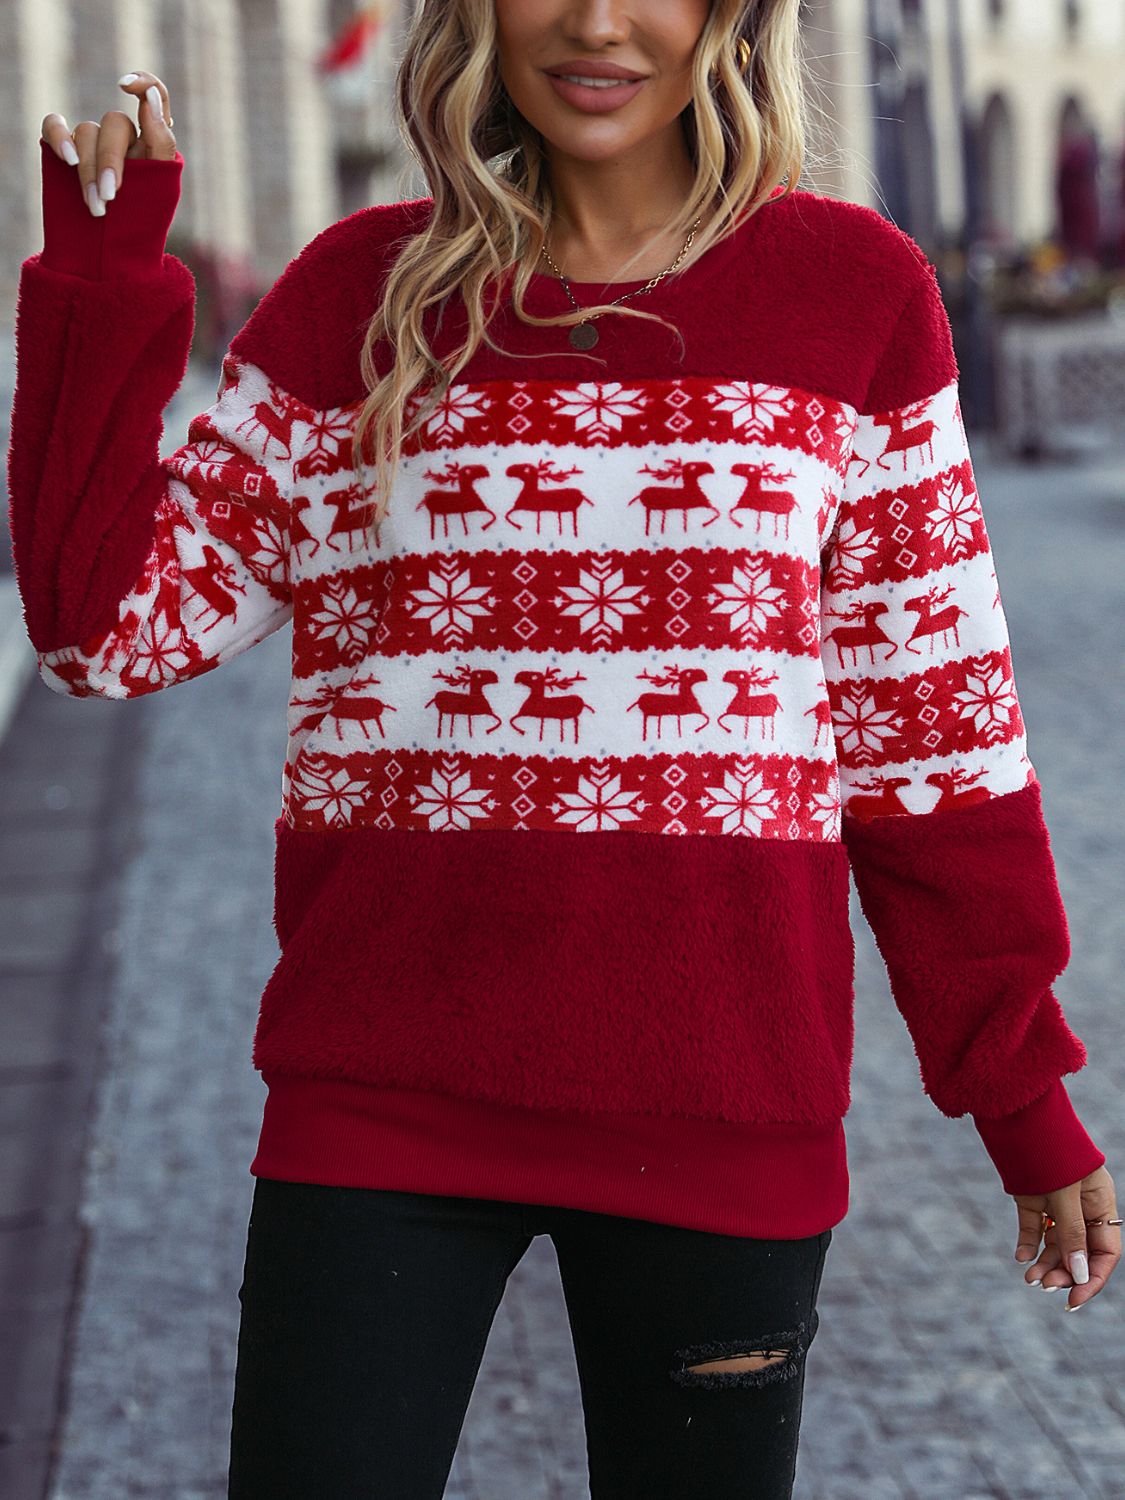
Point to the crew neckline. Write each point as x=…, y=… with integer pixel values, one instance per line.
x=716, y=256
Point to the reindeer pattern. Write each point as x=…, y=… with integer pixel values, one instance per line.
x=616, y=615
x=678, y=605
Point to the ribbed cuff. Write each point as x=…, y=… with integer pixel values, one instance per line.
x=128, y=240
x=1041, y=1147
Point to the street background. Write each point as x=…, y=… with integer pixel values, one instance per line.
x=136, y=837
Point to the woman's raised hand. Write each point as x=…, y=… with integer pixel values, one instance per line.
x=99, y=150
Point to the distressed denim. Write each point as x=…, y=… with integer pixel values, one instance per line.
x=365, y=1314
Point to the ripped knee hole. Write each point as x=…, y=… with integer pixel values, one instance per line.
x=753, y=1362
x=739, y=1362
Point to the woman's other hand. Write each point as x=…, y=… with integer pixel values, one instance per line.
x=1061, y=1220
x=99, y=151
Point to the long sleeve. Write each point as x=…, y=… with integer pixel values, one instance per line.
x=941, y=807
x=137, y=572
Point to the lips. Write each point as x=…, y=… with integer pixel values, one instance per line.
x=596, y=98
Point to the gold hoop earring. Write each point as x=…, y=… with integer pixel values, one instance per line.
x=744, y=54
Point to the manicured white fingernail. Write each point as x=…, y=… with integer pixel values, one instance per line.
x=97, y=207
x=156, y=101
x=1036, y=1282
x=129, y=78
x=69, y=153
x=1079, y=1268
x=107, y=185
x=1075, y=1306
x=1052, y=1288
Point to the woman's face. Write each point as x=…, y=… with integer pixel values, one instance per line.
x=655, y=39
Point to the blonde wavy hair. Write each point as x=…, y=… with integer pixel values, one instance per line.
x=746, y=131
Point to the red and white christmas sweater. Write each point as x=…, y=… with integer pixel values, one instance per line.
x=660, y=644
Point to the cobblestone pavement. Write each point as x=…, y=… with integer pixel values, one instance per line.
x=935, y=1373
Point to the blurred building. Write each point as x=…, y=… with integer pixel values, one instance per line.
x=994, y=120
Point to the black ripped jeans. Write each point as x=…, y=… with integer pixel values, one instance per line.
x=365, y=1315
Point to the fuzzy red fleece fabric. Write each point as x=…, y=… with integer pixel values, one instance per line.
x=669, y=640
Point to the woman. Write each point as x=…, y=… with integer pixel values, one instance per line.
x=703, y=558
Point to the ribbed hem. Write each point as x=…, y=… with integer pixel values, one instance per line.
x=1041, y=1147
x=756, y=1181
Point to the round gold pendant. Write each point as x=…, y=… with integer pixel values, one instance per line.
x=583, y=336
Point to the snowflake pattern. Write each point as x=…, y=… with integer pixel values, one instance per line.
x=328, y=790
x=450, y=602
x=988, y=699
x=853, y=547
x=269, y=562
x=344, y=621
x=449, y=800
x=328, y=437
x=743, y=801
x=451, y=414
x=750, y=601
x=161, y=655
x=755, y=410
x=597, y=410
x=862, y=728
x=954, y=516
x=599, y=803
x=601, y=599
x=824, y=808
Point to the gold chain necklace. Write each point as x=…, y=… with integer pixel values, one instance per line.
x=584, y=335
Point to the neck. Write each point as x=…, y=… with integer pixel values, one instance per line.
x=604, y=211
